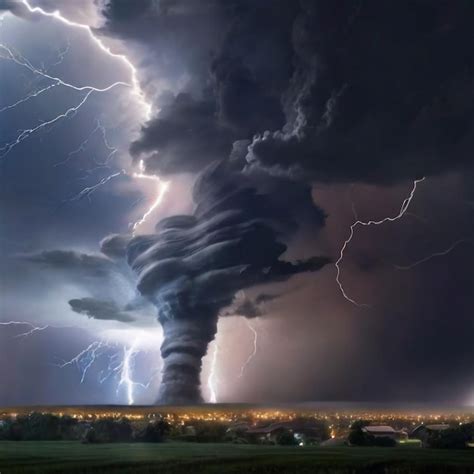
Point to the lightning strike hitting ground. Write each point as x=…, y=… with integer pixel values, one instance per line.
x=403, y=209
x=434, y=255
x=254, y=351
x=211, y=381
x=126, y=369
x=121, y=363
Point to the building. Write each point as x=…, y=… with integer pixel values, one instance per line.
x=385, y=431
x=304, y=431
x=425, y=432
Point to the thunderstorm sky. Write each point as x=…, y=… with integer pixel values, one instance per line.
x=366, y=110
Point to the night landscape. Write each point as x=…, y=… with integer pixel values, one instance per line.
x=237, y=236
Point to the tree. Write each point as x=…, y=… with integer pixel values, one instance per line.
x=154, y=432
x=451, y=438
x=286, y=438
x=108, y=430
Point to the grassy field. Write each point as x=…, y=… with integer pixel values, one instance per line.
x=177, y=458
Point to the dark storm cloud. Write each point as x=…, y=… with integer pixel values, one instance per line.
x=380, y=93
x=178, y=37
x=185, y=137
x=114, y=246
x=98, y=309
x=193, y=266
x=370, y=92
x=249, y=307
x=73, y=262
x=234, y=69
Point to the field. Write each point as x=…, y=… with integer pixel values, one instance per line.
x=177, y=458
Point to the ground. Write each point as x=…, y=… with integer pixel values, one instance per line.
x=176, y=458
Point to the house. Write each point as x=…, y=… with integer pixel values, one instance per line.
x=385, y=431
x=304, y=431
x=424, y=432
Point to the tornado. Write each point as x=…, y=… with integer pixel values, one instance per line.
x=193, y=265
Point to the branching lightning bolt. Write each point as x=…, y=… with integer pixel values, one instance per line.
x=134, y=84
x=89, y=354
x=403, y=209
x=86, y=358
x=254, y=351
x=121, y=364
x=24, y=134
x=28, y=97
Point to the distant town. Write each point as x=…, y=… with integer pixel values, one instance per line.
x=242, y=424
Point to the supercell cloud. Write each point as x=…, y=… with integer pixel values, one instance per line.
x=194, y=265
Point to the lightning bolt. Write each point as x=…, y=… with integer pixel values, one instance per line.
x=254, y=351
x=86, y=357
x=211, y=381
x=24, y=134
x=126, y=372
x=28, y=97
x=359, y=223
x=135, y=84
x=25, y=323
x=434, y=255
x=83, y=146
x=162, y=187
x=89, y=190
x=121, y=364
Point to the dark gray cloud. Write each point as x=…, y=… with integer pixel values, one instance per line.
x=193, y=266
x=185, y=137
x=114, y=246
x=380, y=93
x=73, y=262
x=249, y=307
x=103, y=310
x=335, y=92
